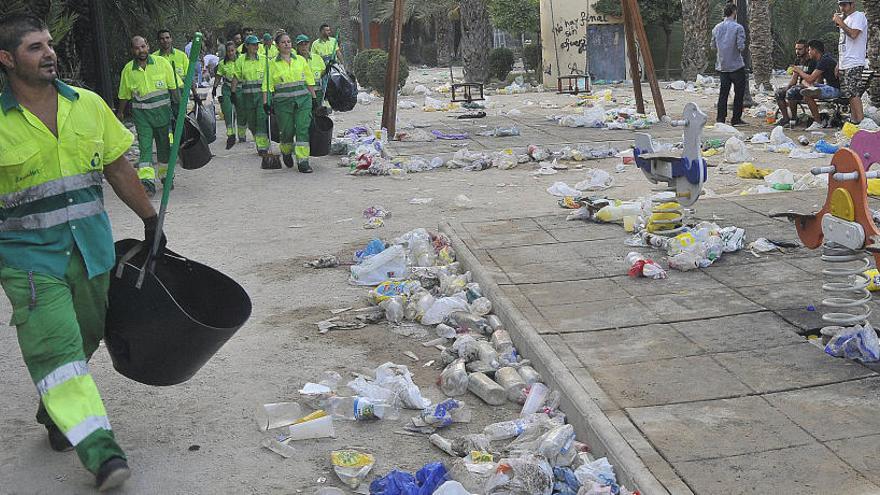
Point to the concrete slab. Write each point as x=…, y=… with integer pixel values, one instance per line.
x=508, y=257
x=803, y=469
x=784, y=296
x=668, y=381
x=789, y=367
x=696, y=304
x=739, y=332
x=861, y=454
x=628, y=345
x=588, y=232
x=679, y=283
x=553, y=293
x=776, y=271
x=833, y=412
x=598, y=315
x=717, y=428
x=808, y=322
x=553, y=271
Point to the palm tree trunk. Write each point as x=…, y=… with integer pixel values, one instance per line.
x=347, y=41
x=443, y=40
x=872, y=11
x=667, y=32
x=476, y=40
x=695, y=21
x=761, y=42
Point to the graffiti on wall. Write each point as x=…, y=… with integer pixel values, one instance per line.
x=571, y=33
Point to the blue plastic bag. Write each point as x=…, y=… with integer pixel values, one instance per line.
x=425, y=482
x=859, y=343
x=373, y=248
x=823, y=146
x=566, y=482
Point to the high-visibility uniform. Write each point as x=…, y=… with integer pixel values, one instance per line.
x=226, y=70
x=149, y=89
x=273, y=50
x=325, y=49
x=56, y=249
x=288, y=82
x=250, y=72
x=318, y=66
x=178, y=60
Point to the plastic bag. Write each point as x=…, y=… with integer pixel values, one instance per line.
x=451, y=488
x=599, y=471
x=859, y=343
x=644, y=267
x=388, y=265
x=596, y=179
x=351, y=466
x=393, y=384
x=735, y=151
x=561, y=189
x=594, y=116
x=760, y=138
x=748, y=170
x=781, y=179
x=372, y=248
x=723, y=129
x=425, y=482
x=528, y=474
x=823, y=146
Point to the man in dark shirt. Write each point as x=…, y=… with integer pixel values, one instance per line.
x=788, y=97
x=821, y=83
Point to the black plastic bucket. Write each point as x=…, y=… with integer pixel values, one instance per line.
x=194, y=151
x=164, y=332
x=320, y=135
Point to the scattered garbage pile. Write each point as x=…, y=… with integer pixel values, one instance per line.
x=614, y=118
x=416, y=282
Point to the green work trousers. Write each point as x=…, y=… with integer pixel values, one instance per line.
x=60, y=323
x=294, y=116
x=228, y=110
x=152, y=125
x=251, y=115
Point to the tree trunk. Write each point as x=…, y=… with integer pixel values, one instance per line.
x=345, y=31
x=476, y=40
x=872, y=11
x=761, y=43
x=443, y=40
x=667, y=31
x=695, y=22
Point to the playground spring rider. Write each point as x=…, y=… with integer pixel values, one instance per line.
x=683, y=171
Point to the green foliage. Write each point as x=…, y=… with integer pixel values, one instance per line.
x=532, y=57
x=370, y=66
x=795, y=19
x=660, y=12
x=516, y=16
x=58, y=17
x=500, y=62
x=429, y=54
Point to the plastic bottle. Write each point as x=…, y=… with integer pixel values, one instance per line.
x=445, y=331
x=361, y=409
x=501, y=341
x=615, y=213
x=483, y=387
x=513, y=428
x=529, y=375
x=393, y=309
x=488, y=354
x=535, y=398
x=510, y=381
x=494, y=322
x=804, y=140
x=557, y=444
x=465, y=320
x=481, y=306
x=454, y=379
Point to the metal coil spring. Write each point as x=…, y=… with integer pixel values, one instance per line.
x=677, y=220
x=846, y=286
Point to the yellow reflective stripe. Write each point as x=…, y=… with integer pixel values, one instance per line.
x=156, y=104
x=294, y=84
x=76, y=408
x=250, y=90
x=61, y=374
x=45, y=220
x=151, y=95
x=51, y=188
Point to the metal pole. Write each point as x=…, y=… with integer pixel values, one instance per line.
x=389, y=108
x=103, y=57
x=633, y=57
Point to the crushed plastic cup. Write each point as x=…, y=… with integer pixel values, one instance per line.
x=279, y=447
x=277, y=414
x=316, y=425
x=535, y=398
x=352, y=466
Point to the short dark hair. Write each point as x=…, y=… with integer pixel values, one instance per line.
x=800, y=42
x=13, y=27
x=729, y=10
x=816, y=45
x=245, y=29
x=159, y=32
x=324, y=26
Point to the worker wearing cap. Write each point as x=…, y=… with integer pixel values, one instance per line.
x=225, y=74
x=250, y=71
x=268, y=48
x=316, y=64
x=326, y=46
x=57, y=145
x=149, y=82
x=291, y=83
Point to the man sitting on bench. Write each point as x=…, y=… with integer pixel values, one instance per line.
x=789, y=96
x=815, y=88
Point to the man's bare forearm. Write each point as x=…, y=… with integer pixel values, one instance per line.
x=123, y=178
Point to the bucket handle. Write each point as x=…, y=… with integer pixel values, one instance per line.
x=131, y=253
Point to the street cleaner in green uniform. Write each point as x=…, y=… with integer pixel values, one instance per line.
x=150, y=82
x=226, y=73
x=326, y=46
x=316, y=64
x=57, y=144
x=179, y=61
x=291, y=83
x=246, y=89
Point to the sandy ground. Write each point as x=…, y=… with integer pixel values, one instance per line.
x=259, y=227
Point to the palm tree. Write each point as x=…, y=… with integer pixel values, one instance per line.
x=476, y=40
x=761, y=42
x=345, y=29
x=695, y=21
x=872, y=11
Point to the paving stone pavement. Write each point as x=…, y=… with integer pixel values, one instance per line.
x=709, y=372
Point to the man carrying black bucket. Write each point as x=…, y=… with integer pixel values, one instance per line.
x=57, y=144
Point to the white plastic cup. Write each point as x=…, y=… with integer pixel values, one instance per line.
x=278, y=414
x=535, y=399
x=316, y=428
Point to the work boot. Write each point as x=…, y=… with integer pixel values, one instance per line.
x=288, y=160
x=57, y=440
x=112, y=474
x=304, y=167
x=230, y=142
x=242, y=139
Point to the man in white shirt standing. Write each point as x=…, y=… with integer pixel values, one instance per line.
x=853, y=48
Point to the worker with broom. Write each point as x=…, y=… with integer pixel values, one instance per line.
x=290, y=89
x=57, y=144
x=246, y=88
x=225, y=74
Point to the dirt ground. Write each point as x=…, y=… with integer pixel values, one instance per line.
x=259, y=227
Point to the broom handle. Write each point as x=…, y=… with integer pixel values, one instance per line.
x=172, y=159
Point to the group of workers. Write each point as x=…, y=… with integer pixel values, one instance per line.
x=261, y=81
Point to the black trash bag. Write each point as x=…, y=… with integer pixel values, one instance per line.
x=194, y=151
x=342, y=88
x=206, y=118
